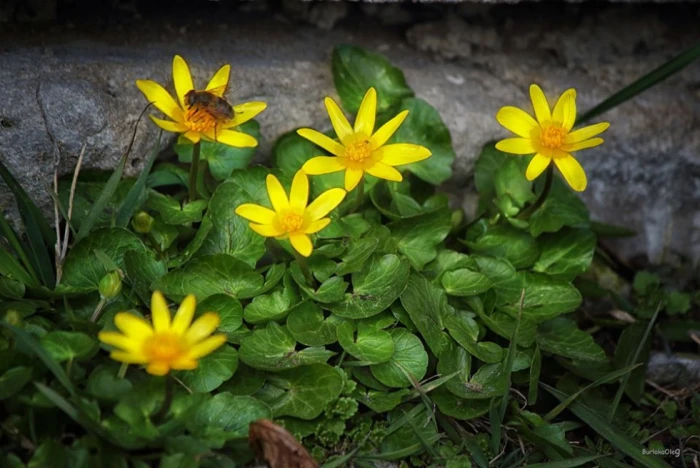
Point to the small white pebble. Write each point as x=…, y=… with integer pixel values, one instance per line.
x=455, y=79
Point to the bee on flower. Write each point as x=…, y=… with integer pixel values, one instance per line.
x=292, y=217
x=166, y=344
x=361, y=150
x=549, y=136
x=201, y=113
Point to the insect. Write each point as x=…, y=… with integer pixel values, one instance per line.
x=211, y=102
x=276, y=446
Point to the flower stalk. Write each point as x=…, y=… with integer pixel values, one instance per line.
x=526, y=213
x=194, y=171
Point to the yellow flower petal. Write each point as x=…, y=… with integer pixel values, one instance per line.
x=184, y=314
x=193, y=136
x=352, y=178
x=565, y=109
x=317, y=225
x=340, y=123
x=325, y=203
x=385, y=131
x=246, y=111
x=182, y=79
x=133, y=326
x=161, y=99
x=516, y=120
x=219, y=82
x=256, y=213
x=516, y=146
x=301, y=243
x=537, y=166
x=592, y=143
x=278, y=197
x=299, y=193
x=384, y=171
x=267, y=230
x=586, y=132
x=128, y=358
x=160, y=314
x=185, y=363
x=169, y=125
x=206, y=346
x=539, y=105
x=120, y=341
x=322, y=140
x=158, y=368
x=233, y=138
x=572, y=172
x=364, y=122
x=403, y=153
x=323, y=165
x=202, y=327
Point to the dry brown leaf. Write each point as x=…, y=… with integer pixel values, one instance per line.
x=277, y=447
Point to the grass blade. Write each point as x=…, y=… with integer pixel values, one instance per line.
x=603, y=380
x=9, y=266
x=28, y=341
x=41, y=237
x=617, y=438
x=669, y=68
x=15, y=243
x=131, y=202
x=568, y=463
x=535, y=369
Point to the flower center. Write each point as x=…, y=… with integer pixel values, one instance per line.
x=291, y=222
x=358, y=151
x=199, y=119
x=552, y=136
x=163, y=347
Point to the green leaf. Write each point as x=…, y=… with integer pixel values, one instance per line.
x=308, y=390
x=222, y=159
x=488, y=164
x=569, y=462
x=273, y=348
x=418, y=237
x=371, y=346
x=407, y=365
x=425, y=304
x=137, y=192
x=380, y=283
x=83, y=270
x=465, y=331
x=209, y=275
x=13, y=380
x=380, y=402
x=616, y=437
x=307, y=324
x=65, y=345
x=230, y=233
x=225, y=417
x=511, y=186
x=562, y=336
x=504, y=241
x=423, y=126
x=354, y=258
x=11, y=268
x=465, y=282
x=142, y=270
x=104, y=383
x=561, y=208
x=355, y=70
x=545, y=297
x=49, y=453
x=459, y=408
x=274, y=306
x=566, y=253
x=657, y=75
x=449, y=260
x=229, y=309
x=212, y=370
x=11, y=289
x=172, y=212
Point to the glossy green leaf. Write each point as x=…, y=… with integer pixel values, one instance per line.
x=566, y=253
x=368, y=345
x=65, y=345
x=419, y=237
x=308, y=325
x=504, y=241
x=465, y=282
x=212, y=370
x=563, y=337
x=225, y=417
x=407, y=365
x=425, y=304
x=307, y=391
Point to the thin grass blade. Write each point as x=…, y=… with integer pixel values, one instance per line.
x=133, y=198
x=15, y=243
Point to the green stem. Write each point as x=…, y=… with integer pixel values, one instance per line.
x=122, y=370
x=303, y=264
x=194, y=168
x=526, y=213
x=167, y=401
x=360, y=196
x=98, y=309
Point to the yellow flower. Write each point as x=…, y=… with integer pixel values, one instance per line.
x=293, y=217
x=549, y=137
x=176, y=344
x=361, y=150
x=197, y=121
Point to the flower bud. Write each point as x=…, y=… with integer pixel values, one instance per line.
x=13, y=317
x=110, y=285
x=142, y=222
x=457, y=218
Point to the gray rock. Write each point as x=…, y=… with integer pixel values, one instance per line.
x=645, y=176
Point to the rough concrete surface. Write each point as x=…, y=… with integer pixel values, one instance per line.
x=466, y=62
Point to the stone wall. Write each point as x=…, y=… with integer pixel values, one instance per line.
x=76, y=80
